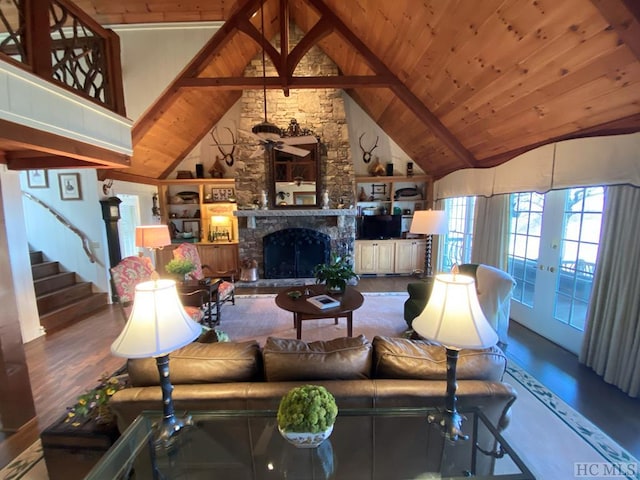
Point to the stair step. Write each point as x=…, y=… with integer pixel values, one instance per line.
x=73, y=312
x=54, y=282
x=36, y=257
x=59, y=298
x=45, y=269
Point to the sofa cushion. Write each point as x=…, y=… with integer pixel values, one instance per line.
x=202, y=363
x=345, y=358
x=403, y=358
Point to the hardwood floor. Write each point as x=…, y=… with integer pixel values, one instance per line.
x=64, y=364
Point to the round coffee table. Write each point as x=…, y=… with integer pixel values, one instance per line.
x=350, y=300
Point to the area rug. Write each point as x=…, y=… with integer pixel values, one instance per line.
x=554, y=440
x=258, y=317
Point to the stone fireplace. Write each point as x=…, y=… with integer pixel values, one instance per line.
x=337, y=225
x=323, y=112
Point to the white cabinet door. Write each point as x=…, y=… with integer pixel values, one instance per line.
x=365, y=257
x=375, y=256
x=386, y=256
x=409, y=255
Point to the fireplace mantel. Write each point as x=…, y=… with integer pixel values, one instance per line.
x=251, y=215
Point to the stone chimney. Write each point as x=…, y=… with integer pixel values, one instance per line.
x=319, y=110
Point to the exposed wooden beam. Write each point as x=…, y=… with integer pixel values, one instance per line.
x=254, y=83
x=49, y=144
x=125, y=177
x=245, y=26
x=320, y=30
x=400, y=89
x=46, y=161
x=624, y=19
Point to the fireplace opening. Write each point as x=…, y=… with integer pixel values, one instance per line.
x=294, y=252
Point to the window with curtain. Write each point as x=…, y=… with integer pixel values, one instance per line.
x=456, y=245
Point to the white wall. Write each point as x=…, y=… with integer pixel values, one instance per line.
x=387, y=151
x=153, y=55
x=58, y=242
x=16, y=235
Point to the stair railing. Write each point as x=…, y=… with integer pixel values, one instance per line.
x=86, y=244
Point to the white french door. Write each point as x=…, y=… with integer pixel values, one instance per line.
x=552, y=254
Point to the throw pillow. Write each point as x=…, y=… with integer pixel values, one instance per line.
x=423, y=360
x=345, y=358
x=217, y=362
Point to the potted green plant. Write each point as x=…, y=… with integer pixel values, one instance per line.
x=180, y=267
x=306, y=415
x=335, y=274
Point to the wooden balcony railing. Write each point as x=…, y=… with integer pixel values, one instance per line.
x=60, y=43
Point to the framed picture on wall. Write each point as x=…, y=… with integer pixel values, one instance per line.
x=70, y=186
x=37, y=179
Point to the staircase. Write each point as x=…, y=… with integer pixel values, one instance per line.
x=61, y=299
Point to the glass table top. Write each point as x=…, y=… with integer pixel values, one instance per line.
x=365, y=444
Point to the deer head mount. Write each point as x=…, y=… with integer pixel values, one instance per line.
x=366, y=154
x=226, y=156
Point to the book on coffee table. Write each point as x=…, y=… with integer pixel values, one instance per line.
x=323, y=301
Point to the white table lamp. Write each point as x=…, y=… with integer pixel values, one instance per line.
x=158, y=325
x=454, y=319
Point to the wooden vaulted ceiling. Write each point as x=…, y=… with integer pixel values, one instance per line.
x=456, y=84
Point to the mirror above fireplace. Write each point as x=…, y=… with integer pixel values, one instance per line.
x=295, y=180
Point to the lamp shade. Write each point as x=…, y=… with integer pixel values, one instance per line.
x=152, y=236
x=158, y=323
x=429, y=222
x=453, y=316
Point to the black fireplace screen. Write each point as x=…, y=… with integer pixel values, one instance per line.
x=294, y=252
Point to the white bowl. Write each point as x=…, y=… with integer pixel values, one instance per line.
x=305, y=439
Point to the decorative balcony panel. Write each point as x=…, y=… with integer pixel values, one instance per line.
x=62, y=44
x=78, y=53
x=12, y=31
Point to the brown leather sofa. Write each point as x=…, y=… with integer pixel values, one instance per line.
x=387, y=372
x=383, y=373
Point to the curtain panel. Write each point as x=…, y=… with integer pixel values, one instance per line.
x=611, y=344
x=491, y=231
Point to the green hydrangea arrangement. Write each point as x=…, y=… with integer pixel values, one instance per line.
x=179, y=266
x=309, y=408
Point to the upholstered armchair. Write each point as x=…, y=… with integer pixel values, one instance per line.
x=128, y=273
x=493, y=286
x=226, y=288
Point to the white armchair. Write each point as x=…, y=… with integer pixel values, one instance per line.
x=494, y=288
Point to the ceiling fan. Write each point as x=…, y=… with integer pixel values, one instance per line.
x=268, y=134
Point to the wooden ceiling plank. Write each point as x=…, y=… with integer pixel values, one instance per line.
x=412, y=102
x=515, y=86
x=620, y=126
x=539, y=87
x=514, y=56
x=624, y=20
x=569, y=87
